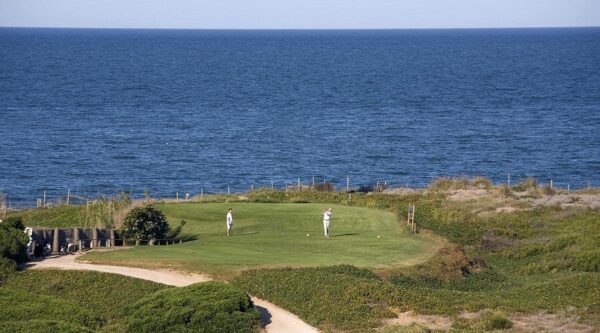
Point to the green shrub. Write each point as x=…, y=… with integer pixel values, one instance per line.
x=13, y=246
x=103, y=293
x=526, y=184
x=13, y=222
x=24, y=306
x=43, y=326
x=145, y=223
x=7, y=267
x=341, y=297
x=497, y=321
x=203, y=307
x=488, y=321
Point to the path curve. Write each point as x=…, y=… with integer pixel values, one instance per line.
x=274, y=318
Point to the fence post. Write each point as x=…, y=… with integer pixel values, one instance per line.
x=55, y=241
x=75, y=236
x=94, y=238
x=112, y=237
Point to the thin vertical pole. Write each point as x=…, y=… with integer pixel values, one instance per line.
x=313, y=182
x=177, y=196
x=228, y=192
x=272, y=185
x=298, y=183
x=44, y=198
x=347, y=183
x=508, y=180
x=568, y=188
x=551, y=184
x=68, y=196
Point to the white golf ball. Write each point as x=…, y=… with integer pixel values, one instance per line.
x=307, y=235
x=378, y=236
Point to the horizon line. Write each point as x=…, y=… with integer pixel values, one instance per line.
x=306, y=29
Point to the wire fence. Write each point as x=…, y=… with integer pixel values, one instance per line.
x=68, y=196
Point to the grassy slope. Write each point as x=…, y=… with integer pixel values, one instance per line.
x=73, y=299
x=542, y=259
x=274, y=235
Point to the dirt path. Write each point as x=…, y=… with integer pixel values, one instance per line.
x=274, y=319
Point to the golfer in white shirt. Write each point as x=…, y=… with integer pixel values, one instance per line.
x=326, y=219
x=229, y=222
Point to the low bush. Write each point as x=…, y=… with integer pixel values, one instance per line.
x=488, y=321
x=7, y=267
x=527, y=184
x=203, y=307
x=104, y=294
x=13, y=245
x=144, y=224
x=341, y=297
x=43, y=326
x=22, y=306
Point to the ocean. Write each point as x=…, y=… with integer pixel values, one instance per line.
x=106, y=111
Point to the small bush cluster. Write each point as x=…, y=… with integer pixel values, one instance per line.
x=460, y=183
x=13, y=245
x=488, y=321
x=144, y=224
x=210, y=307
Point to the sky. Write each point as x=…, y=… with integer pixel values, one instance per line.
x=299, y=14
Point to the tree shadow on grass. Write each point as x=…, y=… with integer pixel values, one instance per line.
x=248, y=233
x=342, y=235
x=189, y=238
x=265, y=315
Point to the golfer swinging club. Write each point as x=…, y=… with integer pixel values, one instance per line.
x=229, y=222
x=326, y=218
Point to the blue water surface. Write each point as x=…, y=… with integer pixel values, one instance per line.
x=104, y=111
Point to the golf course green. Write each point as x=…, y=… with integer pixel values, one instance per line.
x=276, y=235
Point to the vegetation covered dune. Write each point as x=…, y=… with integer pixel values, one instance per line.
x=522, y=258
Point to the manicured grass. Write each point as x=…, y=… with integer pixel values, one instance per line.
x=275, y=235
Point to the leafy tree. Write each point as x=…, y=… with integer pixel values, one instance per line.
x=13, y=245
x=147, y=223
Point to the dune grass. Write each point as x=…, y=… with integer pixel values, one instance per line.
x=275, y=235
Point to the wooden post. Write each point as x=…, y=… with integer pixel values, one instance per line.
x=112, y=237
x=80, y=246
x=124, y=241
x=75, y=236
x=94, y=242
x=56, y=241
x=412, y=218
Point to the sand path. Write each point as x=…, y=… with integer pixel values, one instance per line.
x=274, y=318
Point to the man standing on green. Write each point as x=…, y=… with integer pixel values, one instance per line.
x=326, y=219
x=229, y=222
